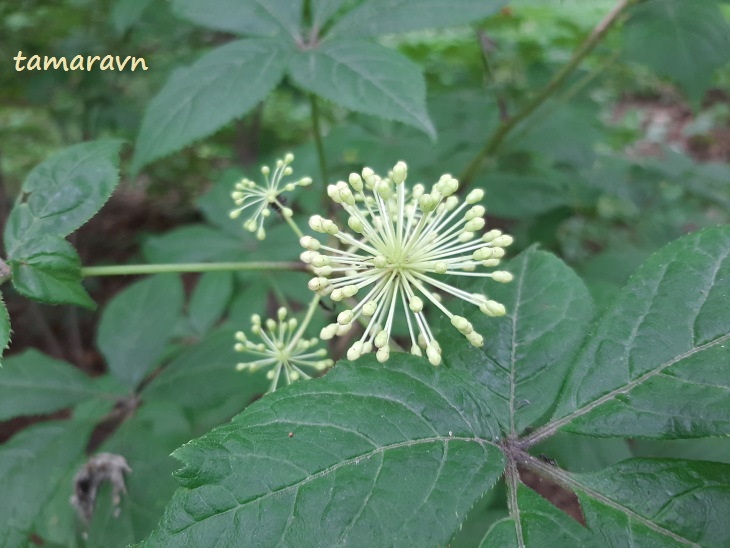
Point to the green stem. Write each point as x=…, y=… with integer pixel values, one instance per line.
x=506, y=126
x=318, y=138
x=131, y=269
x=294, y=227
x=305, y=322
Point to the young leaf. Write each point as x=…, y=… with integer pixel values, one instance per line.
x=656, y=364
x=63, y=192
x=538, y=520
x=136, y=325
x=197, y=100
x=48, y=269
x=210, y=299
x=658, y=502
x=378, y=17
x=684, y=41
x=367, y=455
x=366, y=78
x=32, y=383
x=252, y=17
x=526, y=354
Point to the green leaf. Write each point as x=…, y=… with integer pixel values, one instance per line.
x=538, y=520
x=366, y=78
x=378, y=17
x=126, y=13
x=146, y=441
x=203, y=380
x=514, y=196
x=323, y=10
x=34, y=464
x=684, y=41
x=32, y=383
x=136, y=326
x=367, y=455
x=583, y=454
x=210, y=299
x=253, y=17
x=4, y=327
x=63, y=192
x=194, y=243
x=525, y=355
x=658, y=503
x=198, y=100
x=48, y=269
x=656, y=365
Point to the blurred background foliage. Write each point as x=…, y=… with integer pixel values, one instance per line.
x=632, y=152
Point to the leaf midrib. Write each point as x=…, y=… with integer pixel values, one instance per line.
x=381, y=449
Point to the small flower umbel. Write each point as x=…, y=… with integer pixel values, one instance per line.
x=282, y=348
x=403, y=241
x=248, y=194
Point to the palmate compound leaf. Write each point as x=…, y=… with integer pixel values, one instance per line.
x=197, y=100
x=656, y=365
x=526, y=353
x=366, y=456
x=367, y=78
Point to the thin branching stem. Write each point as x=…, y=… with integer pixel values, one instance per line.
x=506, y=126
x=134, y=269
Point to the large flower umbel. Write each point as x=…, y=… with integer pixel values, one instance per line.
x=281, y=348
x=404, y=243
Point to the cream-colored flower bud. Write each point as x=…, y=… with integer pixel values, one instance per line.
x=355, y=182
x=328, y=331
x=488, y=237
x=502, y=277
x=307, y=242
x=482, y=254
x=368, y=309
x=400, y=172
x=475, y=339
x=433, y=354
x=381, y=339
x=474, y=225
x=492, y=308
x=355, y=351
x=415, y=304
x=503, y=241
x=345, y=317
x=474, y=212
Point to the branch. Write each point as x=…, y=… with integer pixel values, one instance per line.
x=506, y=126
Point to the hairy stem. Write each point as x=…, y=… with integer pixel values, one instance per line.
x=512, y=480
x=506, y=126
x=131, y=269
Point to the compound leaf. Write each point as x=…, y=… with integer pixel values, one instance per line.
x=366, y=455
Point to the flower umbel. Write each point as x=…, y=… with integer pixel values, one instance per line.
x=403, y=239
x=248, y=194
x=282, y=348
